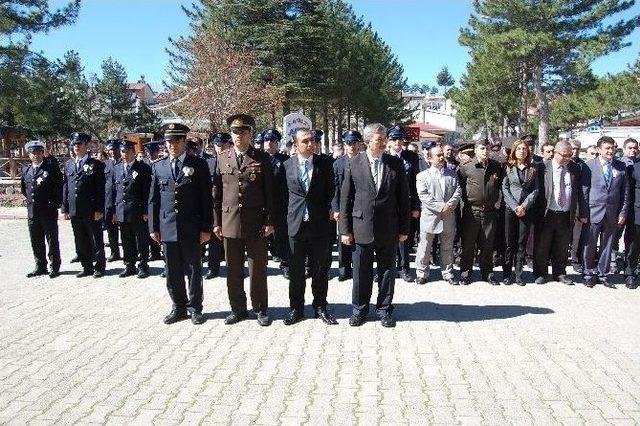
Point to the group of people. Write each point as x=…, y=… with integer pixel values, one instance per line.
x=380, y=198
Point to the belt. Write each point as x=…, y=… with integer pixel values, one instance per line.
x=558, y=211
x=483, y=209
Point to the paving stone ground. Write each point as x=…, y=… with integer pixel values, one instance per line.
x=96, y=351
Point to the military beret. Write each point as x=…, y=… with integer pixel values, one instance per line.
x=241, y=121
x=317, y=135
x=34, y=146
x=152, y=146
x=79, y=138
x=220, y=138
x=126, y=145
x=272, y=135
x=174, y=131
x=396, y=132
x=112, y=144
x=258, y=138
x=351, y=136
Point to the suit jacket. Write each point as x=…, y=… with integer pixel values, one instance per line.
x=243, y=197
x=634, y=190
x=83, y=191
x=280, y=182
x=375, y=215
x=605, y=202
x=411, y=163
x=317, y=200
x=179, y=209
x=577, y=206
x=109, y=190
x=43, y=190
x=433, y=199
x=131, y=191
x=521, y=194
x=339, y=167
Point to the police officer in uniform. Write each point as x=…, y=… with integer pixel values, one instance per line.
x=244, y=216
x=213, y=247
x=352, y=140
x=83, y=201
x=481, y=183
x=279, y=241
x=152, y=151
x=41, y=184
x=131, y=183
x=258, y=141
x=180, y=218
x=113, y=149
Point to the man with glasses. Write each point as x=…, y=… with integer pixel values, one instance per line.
x=243, y=217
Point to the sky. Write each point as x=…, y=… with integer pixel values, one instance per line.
x=422, y=33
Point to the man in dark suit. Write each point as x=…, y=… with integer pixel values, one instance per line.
x=625, y=232
x=605, y=188
x=180, y=218
x=375, y=208
x=131, y=183
x=560, y=203
x=111, y=226
x=278, y=242
x=152, y=150
x=310, y=188
x=83, y=201
x=410, y=161
x=352, y=140
x=243, y=214
x=41, y=184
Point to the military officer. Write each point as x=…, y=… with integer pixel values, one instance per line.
x=481, y=183
x=41, y=184
x=244, y=216
x=131, y=183
x=83, y=201
x=113, y=149
x=180, y=218
x=279, y=241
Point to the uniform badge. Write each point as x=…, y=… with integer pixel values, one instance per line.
x=134, y=174
x=87, y=167
x=39, y=180
x=188, y=171
x=45, y=174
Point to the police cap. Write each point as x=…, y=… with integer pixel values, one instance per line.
x=351, y=136
x=272, y=135
x=396, y=132
x=34, y=146
x=174, y=131
x=220, y=138
x=79, y=138
x=112, y=144
x=126, y=145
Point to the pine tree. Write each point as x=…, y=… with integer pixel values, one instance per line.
x=445, y=79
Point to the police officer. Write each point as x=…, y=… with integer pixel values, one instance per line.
x=152, y=150
x=258, y=141
x=214, y=245
x=83, y=201
x=180, y=218
x=131, y=183
x=481, y=182
x=397, y=141
x=279, y=241
x=244, y=216
x=41, y=184
x=352, y=140
x=113, y=149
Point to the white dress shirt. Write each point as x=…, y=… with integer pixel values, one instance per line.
x=557, y=169
x=373, y=171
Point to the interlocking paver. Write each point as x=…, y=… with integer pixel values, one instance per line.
x=85, y=350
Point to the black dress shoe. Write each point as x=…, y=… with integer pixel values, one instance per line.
x=388, y=321
x=285, y=273
x=143, y=273
x=175, y=316
x=113, y=258
x=75, y=259
x=606, y=283
x=37, y=272
x=453, y=281
x=590, y=282
x=345, y=277
x=421, y=280
x=508, y=281
x=197, y=318
x=235, y=317
x=564, y=280
x=491, y=279
x=210, y=275
x=465, y=280
x=578, y=268
x=293, y=317
x=630, y=282
x=541, y=280
x=356, y=320
x=84, y=273
x=128, y=271
x=407, y=276
x=263, y=319
x=520, y=282
x=326, y=316
x=163, y=274
x=98, y=273
x=54, y=273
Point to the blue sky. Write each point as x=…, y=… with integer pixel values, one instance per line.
x=422, y=33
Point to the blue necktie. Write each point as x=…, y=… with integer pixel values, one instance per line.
x=176, y=168
x=607, y=174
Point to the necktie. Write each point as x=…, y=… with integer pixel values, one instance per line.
x=305, y=176
x=77, y=166
x=562, y=196
x=176, y=168
x=126, y=170
x=375, y=171
x=607, y=174
x=240, y=159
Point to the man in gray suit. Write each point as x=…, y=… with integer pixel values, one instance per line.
x=439, y=193
x=605, y=187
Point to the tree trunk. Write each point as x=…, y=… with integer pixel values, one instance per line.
x=313, y=116
x=348, y=117
x=524, y=101
x=543, y=106
x=325, y=121
x=340, y=116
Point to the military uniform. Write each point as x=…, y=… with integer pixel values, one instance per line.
x=243, y=197
x=109, y=225
x=151, y=148
x=41, y=184
x=131, y=183
x=83, y=195
x=481, y=195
